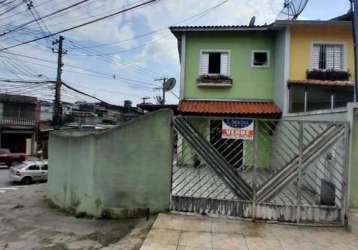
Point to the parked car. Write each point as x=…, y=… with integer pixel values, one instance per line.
x=10, y=158
x=29, y=171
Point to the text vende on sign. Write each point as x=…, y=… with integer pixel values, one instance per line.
x=240, y=129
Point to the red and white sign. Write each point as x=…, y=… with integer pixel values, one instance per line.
x=240, y=129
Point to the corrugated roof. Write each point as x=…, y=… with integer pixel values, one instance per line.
x=18, y=98
x=228, y=107
x=345, y=17
x=219, y=28
x=321, y=83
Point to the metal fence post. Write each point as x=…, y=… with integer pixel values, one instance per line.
x=254, y=174
x=345, y=202
x=300, y=167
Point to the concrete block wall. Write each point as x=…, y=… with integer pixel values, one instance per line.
x=121, y=172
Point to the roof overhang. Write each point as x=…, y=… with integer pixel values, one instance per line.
x=229, y=108
x=179, y=30
x=287, y=23
x=321, y=83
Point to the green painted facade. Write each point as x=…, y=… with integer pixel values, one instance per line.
x=118, y=173
x=248, y=82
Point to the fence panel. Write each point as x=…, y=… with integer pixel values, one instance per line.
x=290, y=171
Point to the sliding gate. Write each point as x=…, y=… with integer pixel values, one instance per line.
x=281, y=170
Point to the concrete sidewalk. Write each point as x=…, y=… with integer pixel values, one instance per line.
x=179, y=232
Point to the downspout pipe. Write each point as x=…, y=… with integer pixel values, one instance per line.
x=354, y=8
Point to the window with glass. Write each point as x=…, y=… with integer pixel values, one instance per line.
x=328, y=57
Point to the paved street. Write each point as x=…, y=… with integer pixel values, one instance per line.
x=4, y=178
x=29, y=222
x=179, y=232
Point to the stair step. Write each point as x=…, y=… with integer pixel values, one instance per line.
x=353, y=221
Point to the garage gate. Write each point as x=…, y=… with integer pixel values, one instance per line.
x=277, y=170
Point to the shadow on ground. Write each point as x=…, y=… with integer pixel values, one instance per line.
x=27, y=221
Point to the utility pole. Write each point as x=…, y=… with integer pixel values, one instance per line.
x=163, y=79
x=57, y=107
x=354, y=8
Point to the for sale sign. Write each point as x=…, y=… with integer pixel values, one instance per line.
x=240, y=129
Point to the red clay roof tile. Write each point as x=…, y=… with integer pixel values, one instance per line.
x=228, y=107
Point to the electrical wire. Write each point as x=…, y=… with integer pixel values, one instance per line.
x=44, y=17
x=83, y=24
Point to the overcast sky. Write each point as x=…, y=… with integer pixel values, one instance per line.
x=118, y=59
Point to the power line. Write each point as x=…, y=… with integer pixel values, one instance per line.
x=44, y=17
x=82, y=25
x=11, y=9
x=108, y=75
x=25, y=81
x=195, y=17
x=83, y=93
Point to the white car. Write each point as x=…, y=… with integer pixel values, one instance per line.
x=29, y=171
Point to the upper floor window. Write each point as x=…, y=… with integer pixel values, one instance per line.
x=214, y=62
x=328, y=57
x=260, y=59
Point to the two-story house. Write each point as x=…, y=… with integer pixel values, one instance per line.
x=19, y=117
x=262, y=72
x=227, y=70
x=315, y=65
x=288, y=66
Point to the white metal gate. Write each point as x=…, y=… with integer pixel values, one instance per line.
x=292, y=171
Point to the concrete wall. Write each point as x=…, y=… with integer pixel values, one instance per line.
x=319, y=115
x=353, y=163
x=280, y=81
x=119, y=172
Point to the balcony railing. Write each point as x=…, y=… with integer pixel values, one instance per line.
x=14, y=121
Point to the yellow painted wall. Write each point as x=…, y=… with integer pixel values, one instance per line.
x=302, y=37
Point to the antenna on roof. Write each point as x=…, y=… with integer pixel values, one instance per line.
x=252, y=21
x=292, y=9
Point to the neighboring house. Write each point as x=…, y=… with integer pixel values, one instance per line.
x=46, y=113
x=103, y=113
x=19, y=117
x=315, y=62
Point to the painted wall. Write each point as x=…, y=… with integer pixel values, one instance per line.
x=279, y=64
x=120, y=172
x=321, y=115
x=302, y=37
x=354, y=161
x=248, y=82
x=202, y=125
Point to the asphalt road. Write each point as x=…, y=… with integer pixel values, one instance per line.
x=4, y=178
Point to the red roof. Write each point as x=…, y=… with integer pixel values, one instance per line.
x=321, y=83
x=228, y=107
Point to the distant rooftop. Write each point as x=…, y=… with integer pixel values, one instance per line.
x=18, y=99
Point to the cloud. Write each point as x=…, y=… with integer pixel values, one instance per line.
x=157, y=54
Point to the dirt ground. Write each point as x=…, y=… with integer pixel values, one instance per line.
x=27, y=221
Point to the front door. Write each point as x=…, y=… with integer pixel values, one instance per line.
x=231, y=149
